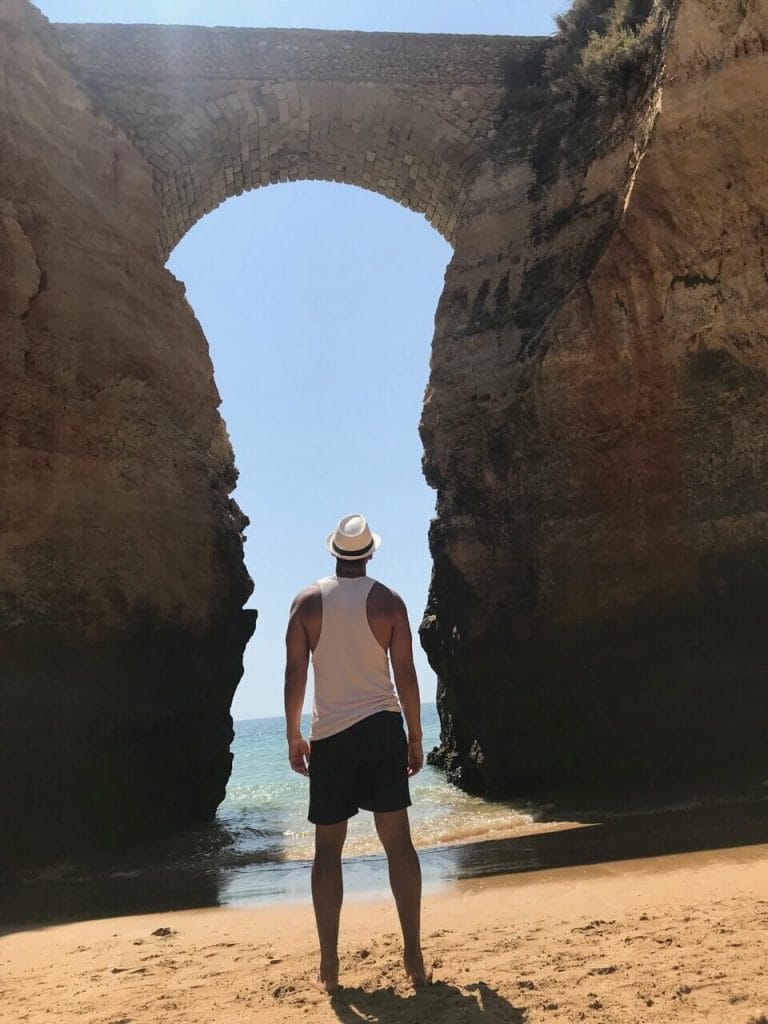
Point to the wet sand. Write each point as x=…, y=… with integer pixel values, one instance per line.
x=159, y=880
x=674, y=937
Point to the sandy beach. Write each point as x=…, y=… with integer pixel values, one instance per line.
x=678, y=938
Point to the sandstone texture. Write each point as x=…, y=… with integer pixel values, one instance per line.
x=593, y=423
x=595, y=427
x=121, y=575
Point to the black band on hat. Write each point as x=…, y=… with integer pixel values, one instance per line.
x=351, y=554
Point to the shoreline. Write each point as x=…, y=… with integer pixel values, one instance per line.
x=675, y=938
x=152, y=882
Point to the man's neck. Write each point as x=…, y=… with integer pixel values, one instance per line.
x=350, y=571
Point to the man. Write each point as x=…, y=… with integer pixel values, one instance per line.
x=358, y=755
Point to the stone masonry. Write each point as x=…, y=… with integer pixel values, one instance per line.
x=217, y=111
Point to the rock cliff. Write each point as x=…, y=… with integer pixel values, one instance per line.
x=595, y=428
x=593, y=423
x=122, y=582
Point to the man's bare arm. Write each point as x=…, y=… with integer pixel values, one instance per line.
x=407, y=684
x=296, y=663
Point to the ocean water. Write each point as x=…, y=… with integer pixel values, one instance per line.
x=266, y=804
x=259, y=848
x=269, y=840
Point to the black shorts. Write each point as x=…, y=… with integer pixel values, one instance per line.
x=364, y=766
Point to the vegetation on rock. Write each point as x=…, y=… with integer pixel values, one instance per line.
x=605, y=47
x=595, y=73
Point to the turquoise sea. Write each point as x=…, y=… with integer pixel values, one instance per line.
x=266, y=803
x=259, y=848
x=265, y=811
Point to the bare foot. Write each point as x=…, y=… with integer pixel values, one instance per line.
x=416, y=972
x=327, y=977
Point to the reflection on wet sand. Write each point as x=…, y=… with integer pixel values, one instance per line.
x=205, y=869
x=612, y=837
x=621, y=837
x=47, y=901
x=184, y=872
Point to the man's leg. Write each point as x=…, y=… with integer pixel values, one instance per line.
x=327, y=894
x=405, y=878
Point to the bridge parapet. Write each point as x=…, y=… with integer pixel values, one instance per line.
x=217, y=111
x=185, y=50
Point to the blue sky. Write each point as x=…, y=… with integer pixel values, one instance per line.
x=318, y=303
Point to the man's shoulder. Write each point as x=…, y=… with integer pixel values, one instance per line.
x=385, y=596
x=381, y=587
x=306, y=597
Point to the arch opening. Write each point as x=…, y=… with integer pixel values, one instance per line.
x=319, y=325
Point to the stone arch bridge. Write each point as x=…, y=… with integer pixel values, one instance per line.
x=217, y=111
x=594, y=423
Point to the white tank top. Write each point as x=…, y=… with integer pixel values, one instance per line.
x=351, y=668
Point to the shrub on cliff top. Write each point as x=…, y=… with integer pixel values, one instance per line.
x=588, y=16
x=598, y=66
x=603, y=46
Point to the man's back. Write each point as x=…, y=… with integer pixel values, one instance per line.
x=384, y=611
x=351, y=670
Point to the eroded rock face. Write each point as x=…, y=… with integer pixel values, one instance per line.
x=595, y=427
x=121, y=622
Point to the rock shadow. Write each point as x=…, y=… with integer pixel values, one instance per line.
x=476, y=1003
x=616, y=837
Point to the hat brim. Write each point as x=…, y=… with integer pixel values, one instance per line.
x=351, y=558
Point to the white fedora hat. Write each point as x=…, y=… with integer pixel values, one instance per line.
x=352, y=538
